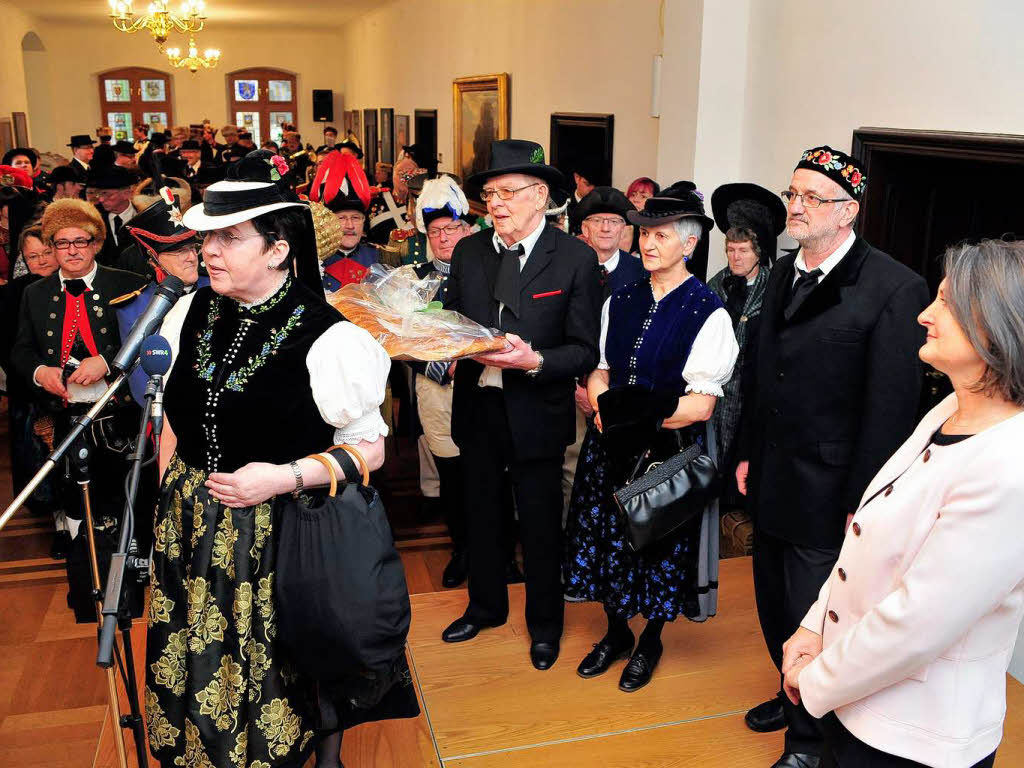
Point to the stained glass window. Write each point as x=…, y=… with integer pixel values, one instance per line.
x=117, y=90
x=280, y=90
x=249, y=121
x=120, y=123
x=276, y=119
x=154, y=90
x=247, y=90
x=156, y=121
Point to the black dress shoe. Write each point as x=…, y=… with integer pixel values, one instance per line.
x=462, y=629
x=543, y=655
x=456, y=570
x=61, y=545
x=767, y=716
x=512, y=573
x=641, y=666
x=797, y=760
x=598, y=660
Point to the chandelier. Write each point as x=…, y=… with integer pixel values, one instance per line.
x=159, y=19
x=193, y=61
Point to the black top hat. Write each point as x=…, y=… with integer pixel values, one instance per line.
x=517, y=156
x=123, y=148
x=753, y=207
x=679, y=201
x=62, y=174
x=209, y=173
x=110, y=177
x=351, y=145
x=190, y=144
x=158, y=228
x=604, y=200
x=81, y=140
x=13, y=153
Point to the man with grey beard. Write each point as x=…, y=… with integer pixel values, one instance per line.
x=835, y=384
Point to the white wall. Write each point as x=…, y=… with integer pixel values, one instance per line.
x=566, y=56
x=14, y=23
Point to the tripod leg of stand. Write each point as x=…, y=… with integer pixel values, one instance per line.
x=94, y=567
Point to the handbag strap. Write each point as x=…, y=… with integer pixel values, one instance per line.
x=330, y=470
x=647, y=452
x=359, y=459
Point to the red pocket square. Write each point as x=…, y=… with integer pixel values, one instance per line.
x=544, y=295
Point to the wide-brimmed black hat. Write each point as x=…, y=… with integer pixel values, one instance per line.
x=81, y=140
x=110, y=177
x=351, y=145
x=190, y=144
x=752, y=207
x=123, y=148
x=10, y=154
x=253, y=186
x=604, y=200
x=679, y=201
x=517, y=156
x=209, y=173
x=159, y=228
x=62, y=174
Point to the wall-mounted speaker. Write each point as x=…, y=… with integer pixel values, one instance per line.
x=323, y=105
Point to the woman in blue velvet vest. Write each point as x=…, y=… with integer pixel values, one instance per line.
x=667, y=347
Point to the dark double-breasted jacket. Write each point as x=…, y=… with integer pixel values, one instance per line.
x=833, y=392
x=559, y=314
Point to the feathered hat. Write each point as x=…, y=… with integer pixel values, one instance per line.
x=340, y=184
x=440, y=198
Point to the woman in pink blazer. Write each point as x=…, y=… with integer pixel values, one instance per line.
x=905, y=652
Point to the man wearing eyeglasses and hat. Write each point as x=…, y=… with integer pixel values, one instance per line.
x=515, y=409
x=112, y=187
x=836, y=380
x=82, y=149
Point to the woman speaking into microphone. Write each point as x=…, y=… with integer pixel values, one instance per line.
x=267, y=373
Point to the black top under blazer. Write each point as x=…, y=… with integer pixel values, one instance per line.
x=560, y=315
x=834, y=392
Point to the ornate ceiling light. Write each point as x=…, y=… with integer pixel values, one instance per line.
x=193, y=61
x=159, y=19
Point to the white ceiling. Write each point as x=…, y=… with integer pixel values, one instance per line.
x=300, y=13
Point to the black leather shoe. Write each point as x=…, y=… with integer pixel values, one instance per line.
x=456, y=570
x=598, y=660
x=462, y=629
x=797, y=760
x=767, y=716
x=512, y=573
x=543, y=655
x=638, y=671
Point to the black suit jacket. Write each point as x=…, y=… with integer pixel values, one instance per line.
x=833, y=392
x=41, y=321
x=110, y=253
x=560, y=309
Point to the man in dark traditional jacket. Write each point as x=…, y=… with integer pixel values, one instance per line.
x=836, y=386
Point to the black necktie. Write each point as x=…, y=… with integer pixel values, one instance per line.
x=604, y=276
x=117, y=227
x=805, y=283
x=75, y=287
x=506, y=288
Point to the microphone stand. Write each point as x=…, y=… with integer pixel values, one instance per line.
x=116, y=612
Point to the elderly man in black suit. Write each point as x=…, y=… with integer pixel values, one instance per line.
x=111, y=185
x=836, y=381
x=514, y=409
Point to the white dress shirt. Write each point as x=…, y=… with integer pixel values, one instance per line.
x=491, y=376
x=828, y=264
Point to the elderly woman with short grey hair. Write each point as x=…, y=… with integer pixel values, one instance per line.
x=667, y=349
x=905, y=652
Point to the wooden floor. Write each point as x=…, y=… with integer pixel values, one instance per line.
x=483, y=703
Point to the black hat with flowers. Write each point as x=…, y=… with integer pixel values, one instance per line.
x=845, y=170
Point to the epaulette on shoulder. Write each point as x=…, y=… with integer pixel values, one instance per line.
x=125, y=298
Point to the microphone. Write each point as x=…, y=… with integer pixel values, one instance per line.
x=155, y=360
x=167, y=293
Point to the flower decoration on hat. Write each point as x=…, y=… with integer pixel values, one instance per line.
x=278, y=167
x=843, y=169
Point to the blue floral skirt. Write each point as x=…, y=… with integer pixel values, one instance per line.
x=601, y=565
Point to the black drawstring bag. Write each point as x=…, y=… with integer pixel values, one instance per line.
x=342, y=601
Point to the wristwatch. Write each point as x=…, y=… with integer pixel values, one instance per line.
x=540, y=366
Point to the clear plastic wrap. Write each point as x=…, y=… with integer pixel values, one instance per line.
x=398, y=309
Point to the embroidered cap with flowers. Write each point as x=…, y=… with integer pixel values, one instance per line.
x=845, y=170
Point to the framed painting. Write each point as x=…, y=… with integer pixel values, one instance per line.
x=582, y=140
x=387, y=136
x=6, y=134
x=370, y=145
x=481, y=113
x=357, y=126
x=402, y=137
x=20, y=129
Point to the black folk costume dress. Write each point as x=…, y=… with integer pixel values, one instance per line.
x=269, y=382
x=681, y=343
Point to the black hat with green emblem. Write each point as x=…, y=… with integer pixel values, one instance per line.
x=516, y=156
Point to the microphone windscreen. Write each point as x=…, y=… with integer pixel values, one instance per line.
x=156, y=355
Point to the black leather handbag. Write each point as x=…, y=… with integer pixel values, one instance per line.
x=668, y=495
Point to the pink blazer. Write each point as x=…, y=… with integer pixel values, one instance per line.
x=920, y=614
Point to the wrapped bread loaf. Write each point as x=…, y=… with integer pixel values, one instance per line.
x=398, y=310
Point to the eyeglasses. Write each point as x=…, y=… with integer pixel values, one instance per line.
x=504, y=193
x=350, y=221
x=810, y=200
x=226, y=239
x=78, y=242
x=451, y=230
x=601, y=221
x=195, y=249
